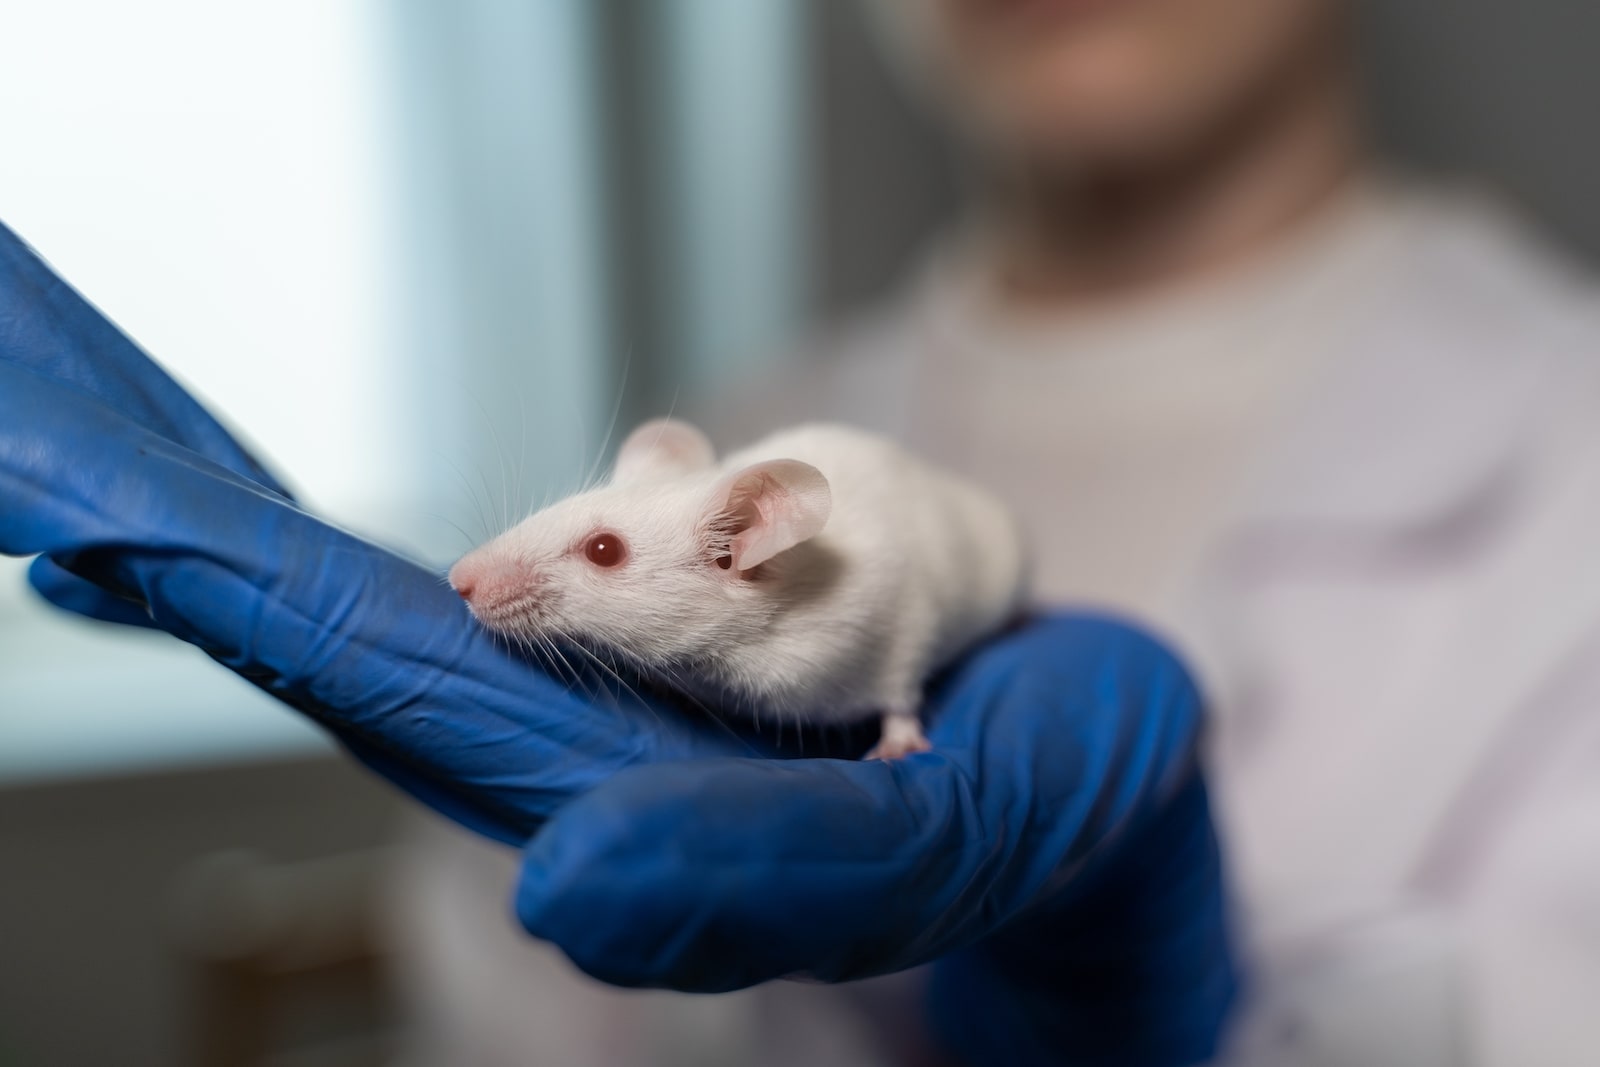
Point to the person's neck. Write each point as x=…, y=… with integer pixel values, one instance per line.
x=1062, y=235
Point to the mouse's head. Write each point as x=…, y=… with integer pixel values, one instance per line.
x=662, y=564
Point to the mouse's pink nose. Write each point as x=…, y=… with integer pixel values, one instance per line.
x=464, y=577
x=491, y=584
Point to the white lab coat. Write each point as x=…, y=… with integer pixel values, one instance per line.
x=1399, y=628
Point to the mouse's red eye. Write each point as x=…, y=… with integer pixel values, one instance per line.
x=605, y=549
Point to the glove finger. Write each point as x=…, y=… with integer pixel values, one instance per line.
x=1052, y=747
x=457, y=801
x=711, y=876
x=71, y=593
x=373, y=646
x=47, y=327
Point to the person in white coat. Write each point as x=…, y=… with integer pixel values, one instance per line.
x=1337, y=436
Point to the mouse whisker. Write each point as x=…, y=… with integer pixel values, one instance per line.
x=503, y=512
x=621, y=682
x=472, y=494
x=591, y=478
x=520, y=473
x=453, y=525
x=494, y=436
x=573, y=678
x=681, y=687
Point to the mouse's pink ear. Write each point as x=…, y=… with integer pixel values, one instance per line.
x=662, y=448
x=771, y=506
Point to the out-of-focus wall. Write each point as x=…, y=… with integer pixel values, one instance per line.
x=1502, y=91
x=89, y=971
x=884, y=176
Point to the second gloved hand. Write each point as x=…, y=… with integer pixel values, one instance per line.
x=1054, y=852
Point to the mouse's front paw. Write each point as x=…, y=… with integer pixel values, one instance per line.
x=902, y=735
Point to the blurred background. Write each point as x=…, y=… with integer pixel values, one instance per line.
x=423, y=256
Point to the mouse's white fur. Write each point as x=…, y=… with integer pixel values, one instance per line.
x=853, y=569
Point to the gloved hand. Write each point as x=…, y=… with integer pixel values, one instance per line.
x=47, y=327
x=1054, y=850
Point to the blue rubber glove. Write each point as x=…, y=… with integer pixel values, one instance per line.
x=1054, y=850
x=46, y=326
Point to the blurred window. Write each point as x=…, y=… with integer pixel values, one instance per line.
x=213, y=177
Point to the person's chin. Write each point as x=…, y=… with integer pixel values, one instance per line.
x=1092, y=129
x=1032, y=16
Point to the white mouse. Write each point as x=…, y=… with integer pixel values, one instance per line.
x=821, y=574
